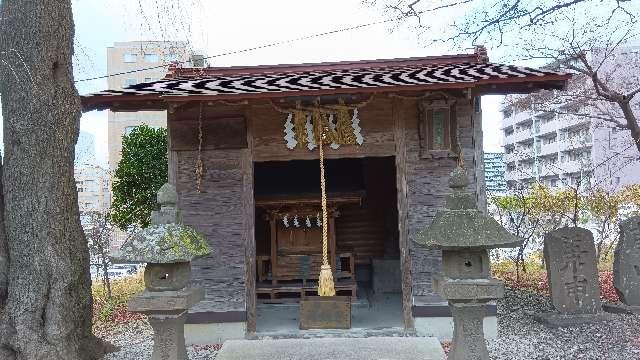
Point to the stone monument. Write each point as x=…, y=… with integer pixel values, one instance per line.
x=464, y=234
x=570, y=259
x=626, y=268
x=167, y=247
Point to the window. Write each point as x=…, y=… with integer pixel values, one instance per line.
x=151, y=58
x=170, y=57
x=130, y=57
x=128, y=130
x=438, y=129
x=129, y=82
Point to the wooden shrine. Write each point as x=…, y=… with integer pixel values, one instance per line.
x=236, y=134
x=295, y=234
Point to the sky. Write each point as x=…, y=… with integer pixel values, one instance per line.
x=215, y=27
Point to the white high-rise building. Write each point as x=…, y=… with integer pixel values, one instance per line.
x=85, y=149
x=124, y=59
x=94, y=190
x=559, y=147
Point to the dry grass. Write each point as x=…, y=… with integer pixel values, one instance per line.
x=112, y=310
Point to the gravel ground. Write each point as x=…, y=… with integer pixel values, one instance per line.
x=134, y=339
x=522, y=337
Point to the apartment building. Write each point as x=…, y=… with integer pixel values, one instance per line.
x=494, y=169
x=123, y=59
x=85, y=152
x=563, y=146
x=93, y=184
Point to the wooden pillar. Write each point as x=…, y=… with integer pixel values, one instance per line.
x=332, y=242
x=400, y=125
x=249, y=225
x=274, y=247
x=172, y=156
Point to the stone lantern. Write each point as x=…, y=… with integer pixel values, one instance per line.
x=464, y=234
x=167, y=247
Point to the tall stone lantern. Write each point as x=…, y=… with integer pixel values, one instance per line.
x=464, y=234
x=167, y=247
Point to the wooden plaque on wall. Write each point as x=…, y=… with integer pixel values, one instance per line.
x=217, y=133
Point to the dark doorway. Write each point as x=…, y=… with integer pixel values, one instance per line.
x=366, y=240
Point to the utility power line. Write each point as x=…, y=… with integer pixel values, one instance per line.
x=254, y=48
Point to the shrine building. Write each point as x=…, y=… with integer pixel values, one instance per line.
x=244, y=157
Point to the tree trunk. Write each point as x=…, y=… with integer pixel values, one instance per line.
x=105, y=272
x=632, y=122
x=4, y=253
x=48, y=310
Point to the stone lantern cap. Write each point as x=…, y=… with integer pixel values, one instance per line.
x=462, y=226
x=166, y=240
x=162, y=244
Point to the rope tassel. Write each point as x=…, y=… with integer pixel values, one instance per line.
x=325, y=281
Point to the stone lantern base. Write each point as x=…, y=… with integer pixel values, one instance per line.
x=168, y=336
x=167, y=312
x=468, y=334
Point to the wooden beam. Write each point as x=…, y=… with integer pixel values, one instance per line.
x=400, y=124
x=172, y=155
x=273, y=230
x=332, y=242
x=249, y=226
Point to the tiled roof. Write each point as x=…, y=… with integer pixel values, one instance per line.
x=309, y=80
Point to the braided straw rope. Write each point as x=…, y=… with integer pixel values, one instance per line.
x=199, y=163
x=325, y=281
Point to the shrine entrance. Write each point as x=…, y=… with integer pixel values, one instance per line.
x=362, y=231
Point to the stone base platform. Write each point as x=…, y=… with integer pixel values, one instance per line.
x=159, y=301
x=621, y=309
x=376, y=348
x=555, y=320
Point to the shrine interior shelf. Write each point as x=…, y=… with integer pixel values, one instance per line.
x=295, y=252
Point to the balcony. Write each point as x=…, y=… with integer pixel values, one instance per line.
x=510, y=157
x=516, y=119
x=548, y=127
x=518, y=175
x=565, y=121
x=519, y=136
x=549, y=170
x=577, y=142
x=574, y=166
x=546, y=149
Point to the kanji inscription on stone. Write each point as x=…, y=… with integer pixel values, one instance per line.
x=626, y=263
x=570, y=258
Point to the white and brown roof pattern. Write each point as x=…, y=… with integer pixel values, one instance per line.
x=330, y=80
x=393, y=75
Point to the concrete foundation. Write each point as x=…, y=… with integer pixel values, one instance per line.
x=442, y=327
x=214, y=333
x=621, y=309
x=378, y=348
x=555, y=320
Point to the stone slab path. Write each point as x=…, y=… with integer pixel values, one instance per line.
x=377, y=348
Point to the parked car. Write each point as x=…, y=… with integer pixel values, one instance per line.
x=129, y=268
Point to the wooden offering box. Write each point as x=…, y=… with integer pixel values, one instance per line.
x=325, y=312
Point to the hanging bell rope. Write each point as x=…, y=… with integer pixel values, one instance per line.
x=311, y=127
x=325, y=281
x=199, y=167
